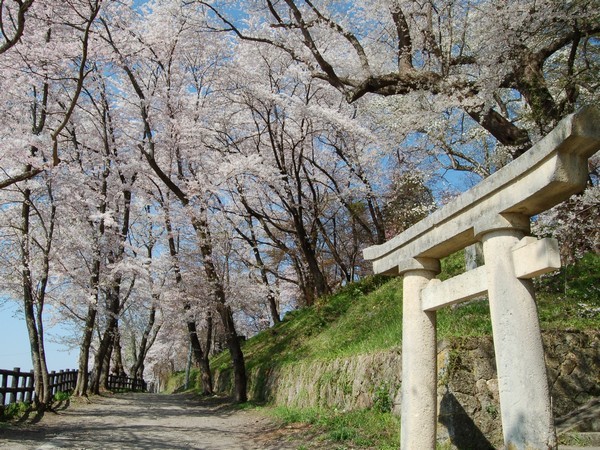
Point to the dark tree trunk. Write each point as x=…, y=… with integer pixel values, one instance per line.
x=105, y=346
x=310, y=257
x=235, y=351
x=117, y=355
x=81, y=388
x=200, y=357
x=33, y=312
x=273, y=309
x=232, y=339
x=206, y=375
x=105, y=370
x=137, y=370
x=113, y=305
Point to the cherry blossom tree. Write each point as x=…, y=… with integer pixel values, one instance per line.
x=514, y=67
x=12, y=21
x=156, y=175
x=54, y=75
x=163, y=152
x=477, y=82
x=43, y=80
x=301, y=165
x=29, y=233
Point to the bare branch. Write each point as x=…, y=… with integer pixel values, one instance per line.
x=312, y=46
x=360, y=51
x=10, y=41
x=28, y=174
x=83, y=72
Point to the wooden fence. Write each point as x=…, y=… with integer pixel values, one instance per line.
x=117, y=382
x=17, y=386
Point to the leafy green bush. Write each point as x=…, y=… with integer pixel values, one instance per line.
x=382, y=401
x=61, y=396
x=14, y=411
x=580, y=281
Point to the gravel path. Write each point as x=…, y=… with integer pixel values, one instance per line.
x=148, y=421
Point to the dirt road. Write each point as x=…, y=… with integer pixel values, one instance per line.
x=147, y=421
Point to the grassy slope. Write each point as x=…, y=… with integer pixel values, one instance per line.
x=367, y=316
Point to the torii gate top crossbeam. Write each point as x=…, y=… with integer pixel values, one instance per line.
x=551, y=171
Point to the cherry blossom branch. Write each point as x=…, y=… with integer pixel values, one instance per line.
x=19, y=25
x=82, y=74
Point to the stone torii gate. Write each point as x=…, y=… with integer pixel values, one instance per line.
x=497, y=213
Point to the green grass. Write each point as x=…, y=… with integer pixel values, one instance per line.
x=366, y=317
x=61, y=396
x=176, y=382
x=348, y=429
x=362, y=317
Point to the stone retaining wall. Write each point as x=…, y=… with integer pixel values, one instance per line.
x=468, y=405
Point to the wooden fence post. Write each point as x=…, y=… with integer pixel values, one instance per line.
x=3, y=385
x=52, y=379
x=29, y=387
x=12, y=396
x=22, y=390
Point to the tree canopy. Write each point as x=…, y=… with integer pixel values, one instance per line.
x=187, y=171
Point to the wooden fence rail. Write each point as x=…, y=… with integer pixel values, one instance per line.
x=17, y=386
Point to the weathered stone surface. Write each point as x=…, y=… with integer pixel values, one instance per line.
x=469, y=410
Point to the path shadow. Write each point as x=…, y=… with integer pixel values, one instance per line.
x=31, y=416
x=464, y=433
x=161, y=421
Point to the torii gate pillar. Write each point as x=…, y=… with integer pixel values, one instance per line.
x=419, y=352
x=526, y=409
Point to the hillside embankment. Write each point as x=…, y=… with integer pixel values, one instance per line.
x=468, y=403
x=344, y=354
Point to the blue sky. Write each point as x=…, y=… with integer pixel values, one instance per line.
x=14, y=350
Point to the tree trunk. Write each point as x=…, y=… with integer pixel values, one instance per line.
x=273, y=307
x=263, y=274
x=117, y=356
x=33, y=315
x=81, y=387
x=105, y=346
x=235, y=351
x=232, y=339
x=315, y=273
x=113, y=299
x=137, y=370
x=105, y=370
x=206, y=375
x=200, y=357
